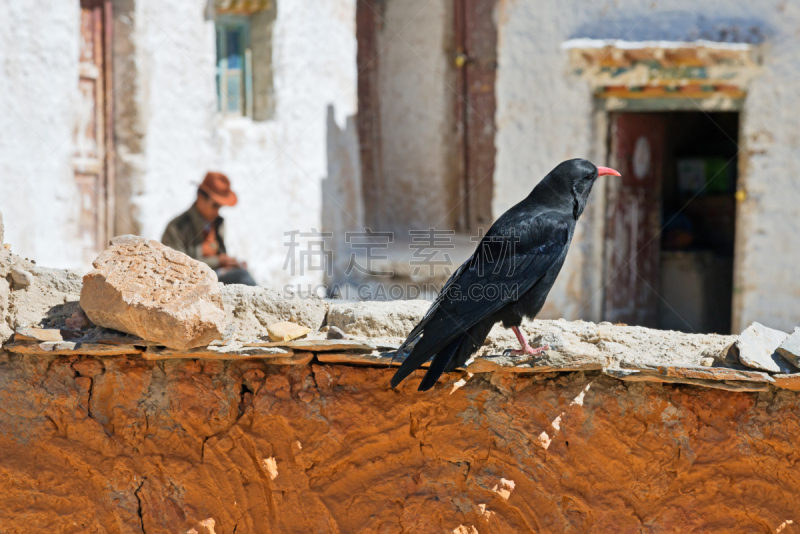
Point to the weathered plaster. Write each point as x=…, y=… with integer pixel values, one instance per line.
x=417, y=115
x=544, y=115
x=38, y=113
x=276, y=166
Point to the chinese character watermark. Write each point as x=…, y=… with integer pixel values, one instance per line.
x=315, y=257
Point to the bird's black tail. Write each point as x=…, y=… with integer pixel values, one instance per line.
x=453, y=355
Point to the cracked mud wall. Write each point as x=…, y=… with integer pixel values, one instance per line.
x=125, y=445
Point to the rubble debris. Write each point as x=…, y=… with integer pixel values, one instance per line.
x=144, y=288
x=790, y=348
x=21, y=277
x=38, y=334
x=48, y=320
x=377, y=319
x=251, y=309
x=286, y=331
x=334, y=332
x=757, y=349
x=78, y=321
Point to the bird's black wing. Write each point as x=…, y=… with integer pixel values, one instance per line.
x=510, y=259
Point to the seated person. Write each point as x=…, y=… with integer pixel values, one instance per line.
x=198, y=232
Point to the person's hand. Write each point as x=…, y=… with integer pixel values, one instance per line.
x=227, y=261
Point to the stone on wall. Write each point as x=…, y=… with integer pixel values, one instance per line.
x=790, y=348
x=286, y=331
x=378, y=319
x=144, y=288
x=253, y=309
x=757, y=348
x=49, y=298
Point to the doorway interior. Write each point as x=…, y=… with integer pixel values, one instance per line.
x=671, y=220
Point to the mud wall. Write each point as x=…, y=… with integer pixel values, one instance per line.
x=125, y=445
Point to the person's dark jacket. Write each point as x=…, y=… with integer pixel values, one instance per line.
x=185, y=234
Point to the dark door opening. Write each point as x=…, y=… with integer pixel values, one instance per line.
x=671, y=219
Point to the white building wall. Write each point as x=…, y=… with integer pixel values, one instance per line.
x=417, y=114
x=38, y=112
x=544, y=116
x=277, y=167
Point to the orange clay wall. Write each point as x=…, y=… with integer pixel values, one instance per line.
x=123, y=445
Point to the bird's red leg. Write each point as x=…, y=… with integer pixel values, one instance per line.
x=526, y=349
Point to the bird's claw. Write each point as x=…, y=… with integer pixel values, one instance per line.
x=527, y=351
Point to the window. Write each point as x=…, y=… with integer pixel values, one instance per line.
x=244, y=57
x=234, y=65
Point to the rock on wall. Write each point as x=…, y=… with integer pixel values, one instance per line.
x=123, y=445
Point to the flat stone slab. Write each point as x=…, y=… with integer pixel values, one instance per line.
x=316, y=345
x=633, y=375
x=298, y=358
x=377, y=359
x=790, y=382
x=70, y=347
x=757, y=349
x=699, y=372
x=127, y=340
x=790, y=348
x=38, y=334
x=551, y=361
x=286, y=331
x=225, y=352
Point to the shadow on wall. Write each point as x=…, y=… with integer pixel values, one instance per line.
x=342, y=205
x=677, y=26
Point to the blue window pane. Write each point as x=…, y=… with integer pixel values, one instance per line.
x=234, y=92
x=234, y=52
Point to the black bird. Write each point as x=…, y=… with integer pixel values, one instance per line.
x=507, y=278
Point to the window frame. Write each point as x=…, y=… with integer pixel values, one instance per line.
x=222, y=25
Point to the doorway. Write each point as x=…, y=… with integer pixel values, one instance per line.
x=670, y=220
x=92, y=138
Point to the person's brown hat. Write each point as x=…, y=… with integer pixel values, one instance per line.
x=217, y=186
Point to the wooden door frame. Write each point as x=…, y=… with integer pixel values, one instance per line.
x=368, y=123
x=104, y=103
x=108, y=102
x=475, y=186
x=603, y=110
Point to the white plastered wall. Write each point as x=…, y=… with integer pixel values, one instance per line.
x=277, y=166
x=39, y=98
x=545, y=116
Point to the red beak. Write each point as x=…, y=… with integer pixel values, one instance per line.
x=607, y=171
